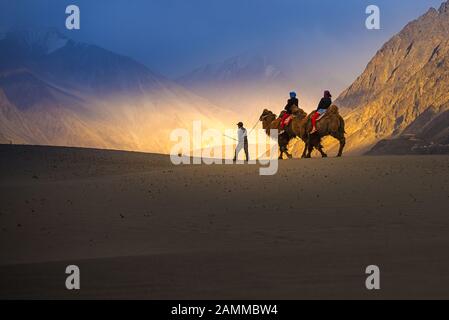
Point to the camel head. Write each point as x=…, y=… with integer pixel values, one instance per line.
x=267, y=117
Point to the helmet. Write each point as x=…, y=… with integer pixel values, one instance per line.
x=292, y=94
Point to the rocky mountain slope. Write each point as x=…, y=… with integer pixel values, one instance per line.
x=59, y=92
x=404, y=92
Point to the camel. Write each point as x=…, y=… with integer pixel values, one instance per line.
x=331, y=124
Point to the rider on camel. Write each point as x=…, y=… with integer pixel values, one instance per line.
x=325, y=103
x=293, y=101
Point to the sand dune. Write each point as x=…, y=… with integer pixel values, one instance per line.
x=139, y=227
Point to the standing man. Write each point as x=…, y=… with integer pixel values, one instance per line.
x=242, y=142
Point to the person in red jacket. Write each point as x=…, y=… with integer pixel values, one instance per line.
x=325, y=103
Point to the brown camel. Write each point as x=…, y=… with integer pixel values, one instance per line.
x=331, y=124
x=296, y=129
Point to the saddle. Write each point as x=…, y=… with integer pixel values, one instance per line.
x=333, y=109
x=321, y=116
x=286, y=120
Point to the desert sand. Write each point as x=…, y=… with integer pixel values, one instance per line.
x=139, y=227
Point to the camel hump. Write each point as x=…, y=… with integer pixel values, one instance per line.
x=333, y=109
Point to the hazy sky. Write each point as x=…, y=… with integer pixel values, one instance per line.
x=313, y=41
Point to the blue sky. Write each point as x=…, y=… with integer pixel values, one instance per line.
x=311, y=40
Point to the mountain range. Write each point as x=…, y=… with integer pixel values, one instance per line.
x=400, y=103
x=245, y=84
x=57, y=91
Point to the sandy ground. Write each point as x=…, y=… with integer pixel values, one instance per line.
x=139, y=227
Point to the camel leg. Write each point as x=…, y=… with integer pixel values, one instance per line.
x=320, y=149
x=309, y=148
x=309, y=151
x=304, y=153
x=283, y=150
x=342, y=145
x=289, y=156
